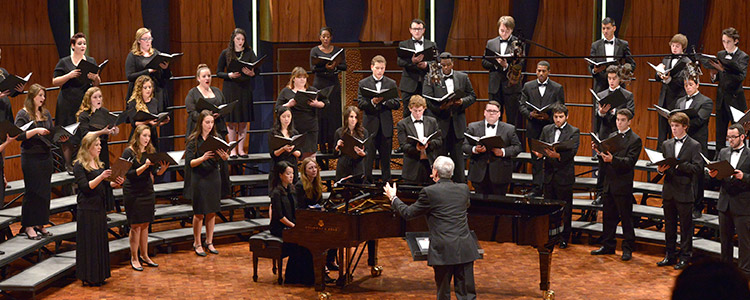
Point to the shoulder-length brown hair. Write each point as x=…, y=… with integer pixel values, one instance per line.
x=86, y=102
x=359, y=131
x=297, y=72
x=135, y=140
x=198, y=130
x=313, y=186
x=137, y=95
x=28, y=104
x=230, y=49
x=84, y=157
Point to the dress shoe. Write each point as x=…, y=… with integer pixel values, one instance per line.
x=211, y=251
x=597, y=201
x=563, y=244
x=603, y=250
x=244, y=155
x=202, y=253
x=627, y=255
x=328, y=279
x=697, y=214
x=667, y=261
x=681, y=264
x=139, y=269
x=233, y=156
x=150, y=264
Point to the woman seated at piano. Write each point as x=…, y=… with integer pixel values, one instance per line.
x=299, y=268
x=210, y=94
x=142, y=99
x=283, y=127
x=351, y=158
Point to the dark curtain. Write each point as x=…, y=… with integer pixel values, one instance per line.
x=58, y=12
x=345, y=17
x=692, y=15
x=156, y=17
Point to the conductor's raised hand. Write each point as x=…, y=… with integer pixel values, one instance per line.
x=390, y=191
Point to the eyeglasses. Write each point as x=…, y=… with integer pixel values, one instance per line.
x=416, y=29
x=733, y=137
x=147, y=39
x=492, y=111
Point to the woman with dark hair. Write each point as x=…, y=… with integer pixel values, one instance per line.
x=238, y=86
x=283, y=126
x=204, y=173
x=327, y=74
x=143, y=99
x=305, y=114
x=209, y=93
x=141, y=53
x=350, y=166
x=72, y=85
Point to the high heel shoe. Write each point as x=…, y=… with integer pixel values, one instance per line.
x=150, y=264
x=139, y=269
x=43, y=233
x=209, y=249
x=195, y=248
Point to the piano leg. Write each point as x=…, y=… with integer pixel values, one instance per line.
x=343, y=266
x=545, y=261
x=372, y=258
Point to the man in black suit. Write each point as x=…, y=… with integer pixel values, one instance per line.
x=415, y=68
x=672, y=81
x=491, y=170
x=452, y=249
x=418, y=157
x=677, y=192
x=451, y=113
x=734, y=199
x=617, y=195
x=559, y=171
x=378, y=118
x=539, y=93
x=730, y=72
x=501, y=89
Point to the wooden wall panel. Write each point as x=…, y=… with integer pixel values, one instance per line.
x=389, y=20
x=294, y=21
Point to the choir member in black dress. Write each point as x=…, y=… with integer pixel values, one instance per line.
x=348, y=166
x=672, y=82
x=283, y=126
x=209, y=93
x=501, y=89
x=305, y=115
x=299, y=268
x=143, y=99
x=238, y=86
x=92, y=243
x=138, y=194
x=6, y=113
x=327, y=74
x=415, y=68
x=36, y=162
x=139, y=56
x=72, y=90
x=202, y=177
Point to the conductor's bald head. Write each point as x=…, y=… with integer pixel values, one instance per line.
x=442, y=168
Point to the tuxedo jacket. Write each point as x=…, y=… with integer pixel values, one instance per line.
x=406, y=128
x=530, y=94
x=500, y=168
x=675, y=89
x=455, y=117
x=698, y=129
x=735, y=194
x=380, y=115
x=619, y=173
x=607, y=122
x=562, y=170
x=597, y=49
x=730, y=80
x=498, y=75
x=412, y=76
x=678, y=180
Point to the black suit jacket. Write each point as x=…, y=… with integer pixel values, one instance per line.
x=607, y=122
x=698, y=129
x=562, y=170
x=530, y=94
x=675, y=89
x=455, y=116
x=679, y=179
x=444, y=205
x=498, y=75
x=597, y=49
x=619, y=173
x=730, y=80
x=405, y=128
x=735, y=194
x=500, y=168
x=412, y=76
x=380, y=115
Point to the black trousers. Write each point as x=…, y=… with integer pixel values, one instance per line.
x=683, y=211
x=564, y=193
x=487, y=187
x=405, y=96
x=537, y=170
x=729, y=224
x=383, y=145
x=618, y=208
x=452, y=147
x=509, y=105
x=723, y=119
x=463, y=281
x=423, y=174
x=665, y=131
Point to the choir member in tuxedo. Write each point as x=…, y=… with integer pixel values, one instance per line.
x=418, y=158
x=559, y=171
x=305, y=116
x=617, y=195
x=677, y=192
x=540, y=93
x=734, y=199
x=283, y=126
x=672, y=82
x=238, y=86
x=327, y=74
x=348, y=166
x=378, y=119
x=453, y=249
x=72, y=90
x=36, y=162
x=501, y=89
x=143, y=99
x=490, y=170
x=451, y=116
x=299, y=268
x=141, y=53
x=205, y=172
x=6, y=113
x=416, y=68
x=210, y=94
x=92, y=242
x=729, y=74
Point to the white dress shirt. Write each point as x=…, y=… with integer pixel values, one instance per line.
x=678, y=145
x=419, y=127
x=449, y=83
x=690, y=100
x=542, y=88
x=559, y=132
x=734, y=157
x=419, y=47
x=609, y=49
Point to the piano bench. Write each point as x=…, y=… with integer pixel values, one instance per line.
x=265, y=245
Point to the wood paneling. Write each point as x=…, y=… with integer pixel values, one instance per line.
x=294, y=21
x=389, y=20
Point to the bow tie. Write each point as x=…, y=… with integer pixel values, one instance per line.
x=378, y=81
x=491, y=125
x=448, y=76
x=418, y=42
x=504, y=41
x=543, y=84
x=682, y=140
x=558, y=128
x=418, y=121
x=609, y=42
x=737, y=150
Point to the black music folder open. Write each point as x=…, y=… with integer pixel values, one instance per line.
x=350, y=142
x=665, y=113
x=278, y=141
x=101, y=120
x=213, y=143
x=489, y=142
x=430, y=53
x=539, y=146
x=385, y=93
x=11, y=81
x=611, y=145
x=614, y=99
x=236, y=65
x=160, y=58
x=222, y=110
x=87, y=67
x=7, y=128
x=419, y=245
x=724, y=168
x=336, y=57
x=416, y=141
x=656, y=158
x=171, y=157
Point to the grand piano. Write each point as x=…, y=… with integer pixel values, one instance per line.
x=356, y=214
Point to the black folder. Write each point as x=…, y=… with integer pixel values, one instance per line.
x=7, y=128
x=539, y=146
x=615, y=99
x=142, y=116
x=222, y=110
x=161, y=57
x=58, y=131
x=457, y=94
x=724, y=167
x=656, y=158
x=236, y=65
x=349, y=143
x=213, y=143
x=87, y=67
x=303, y=98
x=430, y=53
x=171, y=157
x=415, y=140
x=337, y=57
x=611, y=145
x=665, y=113
x=490, y=142
x=278, y=141
x=11, y=81
x=101, y=119
x=119, y=168
x=385, y=93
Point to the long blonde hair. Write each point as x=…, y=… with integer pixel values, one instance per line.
x=297, y=72
x=136, y=48
x=28, y=104
x=134, y=143
x=313, y=187
x=84, y=157
x=86, y=102
x=137, y=94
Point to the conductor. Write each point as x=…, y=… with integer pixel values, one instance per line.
x=453, y=249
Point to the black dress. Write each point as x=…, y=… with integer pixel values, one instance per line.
x=303, y=117
x=92, y=243
x=154, y=107
x=191, y=100
x=201, y=182
x=302, y=200
x=330, y=118
x=6, y=113
x=71, y=93
x=135, y=66
x=138, y=191
x=240, y=88
x=286, y=156
x=85, y=127
x=346, y=165
x=37, y=167
x=299, y=267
